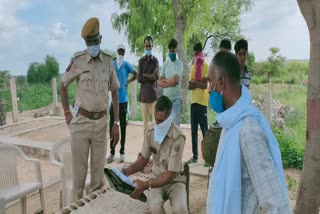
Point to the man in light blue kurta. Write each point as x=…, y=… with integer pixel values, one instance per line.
x=170, y=80
x=248, y=172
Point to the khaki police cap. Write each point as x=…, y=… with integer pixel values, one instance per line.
x=90, y=29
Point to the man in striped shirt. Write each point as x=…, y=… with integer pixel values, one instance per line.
x=241, y=49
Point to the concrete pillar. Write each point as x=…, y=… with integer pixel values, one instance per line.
x=13, y=92
x=133, y=102
x=54, y=92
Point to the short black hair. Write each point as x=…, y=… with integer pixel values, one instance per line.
x=164, y=104
x=173, y=44
x=197, y=47
x=241, y=44
x=225, y=43
x=148, y=38
x=227, y=63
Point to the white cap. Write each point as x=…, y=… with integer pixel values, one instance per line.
x=121, y=47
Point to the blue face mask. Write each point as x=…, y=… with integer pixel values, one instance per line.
x=93, y=50
x=216, y=101
x=148, y=52
x=173, y=56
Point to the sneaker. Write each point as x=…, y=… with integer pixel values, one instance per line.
x=110, y=159
x=122, y=158
x=191, y=160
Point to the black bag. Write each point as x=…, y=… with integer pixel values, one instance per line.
x=119, y=185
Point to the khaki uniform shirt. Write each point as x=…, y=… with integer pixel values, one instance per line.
x=168, y=155
x=95, y=77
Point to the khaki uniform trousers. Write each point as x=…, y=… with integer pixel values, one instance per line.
x=88, y=136
x=147, y=109
x=175, y=192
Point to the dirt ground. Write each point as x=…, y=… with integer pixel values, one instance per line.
x=198, y=184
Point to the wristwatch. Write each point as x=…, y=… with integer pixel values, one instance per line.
x=117, y=123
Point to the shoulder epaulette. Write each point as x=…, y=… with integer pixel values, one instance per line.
x=79, y=53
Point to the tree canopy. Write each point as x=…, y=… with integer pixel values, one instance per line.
x=208, y=21
x=188, y=21
x=4, y=79
x=43, y=72
x=275, y=62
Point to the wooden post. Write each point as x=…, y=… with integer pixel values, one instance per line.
x=54, y=93
x=13, y=92
x=3, y=112
x=267, y=105
x=134, y=100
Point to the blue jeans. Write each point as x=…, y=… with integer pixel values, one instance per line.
x=176, y=108
x=198, y=115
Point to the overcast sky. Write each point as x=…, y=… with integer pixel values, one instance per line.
x=31, y=29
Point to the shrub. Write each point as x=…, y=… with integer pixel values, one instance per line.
x=291, y=151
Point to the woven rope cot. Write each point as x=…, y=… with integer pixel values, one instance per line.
x=104, y=201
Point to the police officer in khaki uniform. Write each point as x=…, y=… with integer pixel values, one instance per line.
x=165, y=142
x=93, y=71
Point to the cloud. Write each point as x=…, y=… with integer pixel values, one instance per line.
x=31, y=29
x=276, y=23
x=59, y=31
x=9, y=24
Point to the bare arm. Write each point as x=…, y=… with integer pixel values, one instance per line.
x=202, y=84
x=64, y=97
x=137, y=166
x=115, y=127
x=133, y=78
x=155, y=75
x=162, y=180
x=115, y=101
x=151, y=77
x=192, y=86
x=65, y=102
x=168, y=82
x=140, y=77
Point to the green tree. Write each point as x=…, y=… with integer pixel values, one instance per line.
x=251, y=60
x=33, y=73
x=43, y=73
x=51, y=68
x=308, y=195
x=296, y=71
x=187, y=20
x=4, y=79
x=21, y=80
x=275, y=63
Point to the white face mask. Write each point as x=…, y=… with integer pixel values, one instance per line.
x=93, y=50
x=161, y=130
x=119, y=60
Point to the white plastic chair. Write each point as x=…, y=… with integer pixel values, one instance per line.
x=60, y=155
x=10, y=188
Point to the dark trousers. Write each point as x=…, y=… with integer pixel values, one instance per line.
x=123, y=126
x=198, y=116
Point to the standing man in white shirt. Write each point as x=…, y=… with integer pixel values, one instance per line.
x=170, y=80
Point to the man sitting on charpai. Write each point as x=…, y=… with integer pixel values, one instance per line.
x=165, y=142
